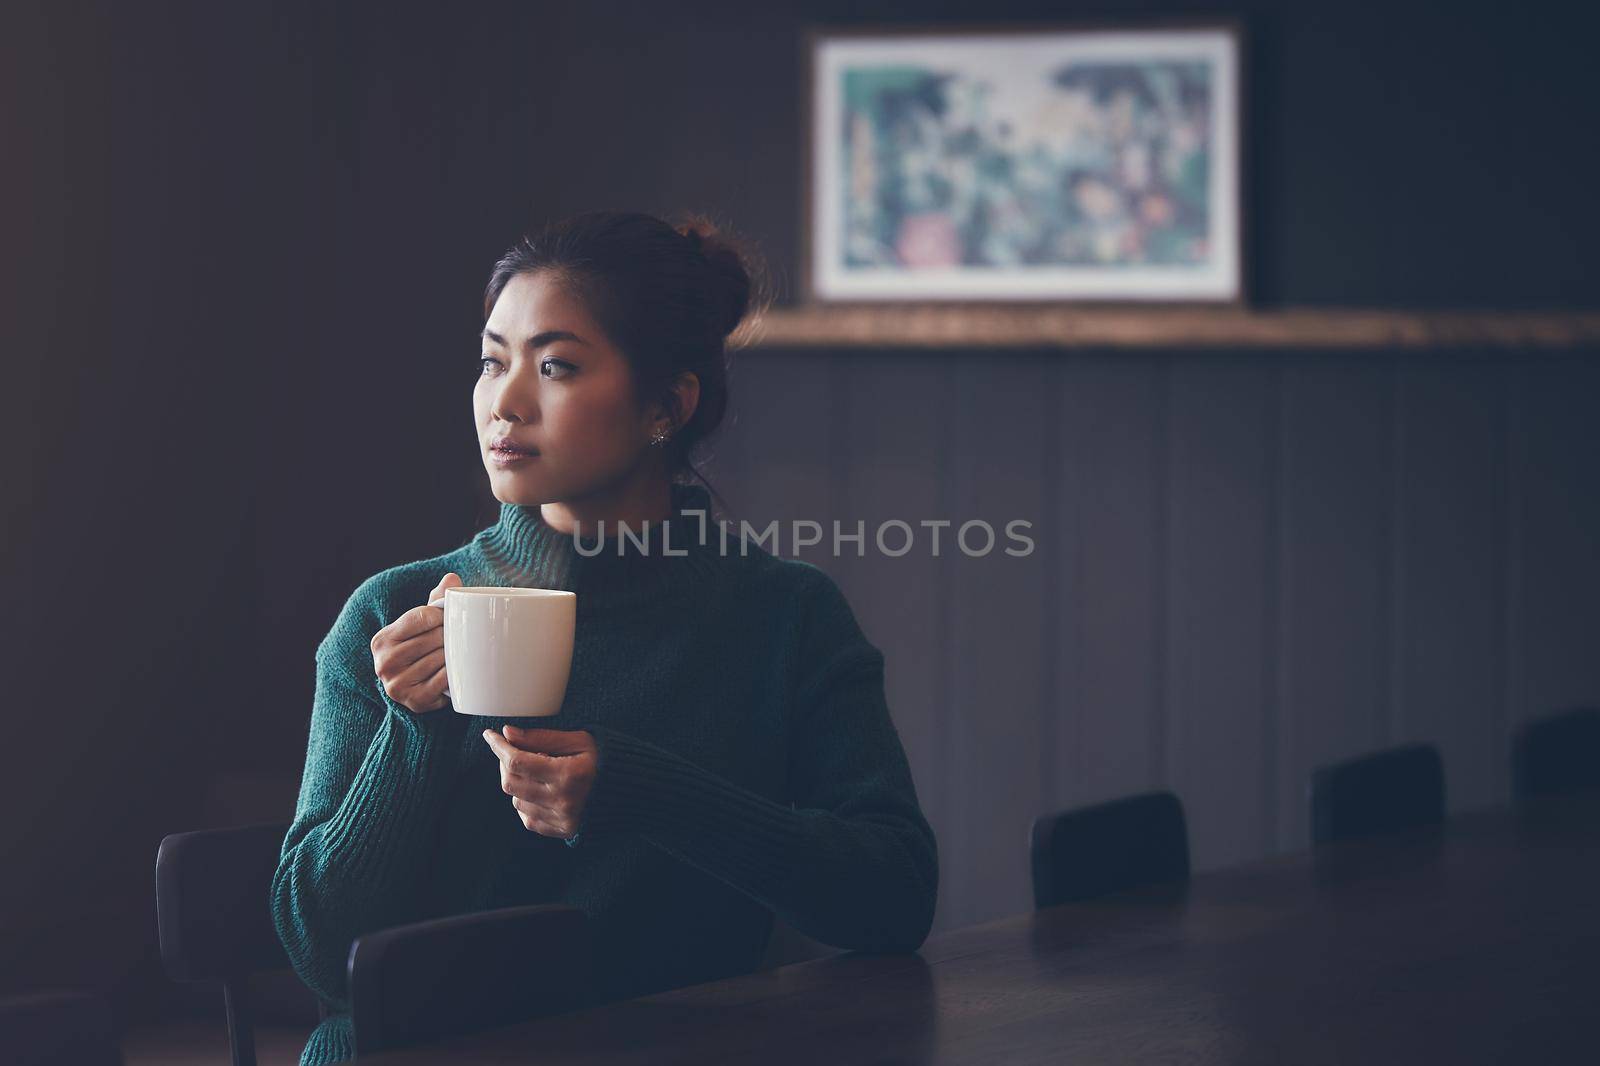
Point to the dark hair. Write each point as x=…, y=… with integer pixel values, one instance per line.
x=667, y=294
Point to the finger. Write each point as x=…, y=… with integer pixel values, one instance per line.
x=520, y=763
x=536, y=757
x=541, y=824
x=534, y=824
x=397, y=657
x=541, y=770
x=419, y=673
x=416, y=621
x=451, y=580
x=550, y=741
x=515, y=783
x=433, y=683
x=525, y=788
x=539, y=808
x=500, y=746
x=553, y=821
x=413, y=648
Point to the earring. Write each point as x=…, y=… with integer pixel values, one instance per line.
x=659, y=437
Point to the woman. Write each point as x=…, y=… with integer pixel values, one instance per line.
x=724, y=753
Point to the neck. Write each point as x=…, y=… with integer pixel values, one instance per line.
x=656, y=559
x=633, y=502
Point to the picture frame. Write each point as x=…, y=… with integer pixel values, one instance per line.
x=1098, y=163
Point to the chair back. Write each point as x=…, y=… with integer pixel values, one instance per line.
x=1557, y=754
x=1384, y=792
x=1109, y=847
x=430, y=980
x=212, y=907
x=58, y=1028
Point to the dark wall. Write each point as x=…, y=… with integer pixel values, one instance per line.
x=1246, y=565
x=246, y=249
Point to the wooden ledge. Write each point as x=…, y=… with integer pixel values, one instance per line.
x=964, y=326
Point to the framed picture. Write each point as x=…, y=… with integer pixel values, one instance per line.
x=1098, y=163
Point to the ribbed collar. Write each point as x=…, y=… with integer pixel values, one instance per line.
x=523, y=550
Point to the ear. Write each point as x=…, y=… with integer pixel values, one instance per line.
x=673, y=409
x=685, y=398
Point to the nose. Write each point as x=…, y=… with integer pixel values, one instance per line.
x=516, y=400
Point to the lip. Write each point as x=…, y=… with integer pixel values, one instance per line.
x=509, y=456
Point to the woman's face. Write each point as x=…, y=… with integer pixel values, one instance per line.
x=551, y=381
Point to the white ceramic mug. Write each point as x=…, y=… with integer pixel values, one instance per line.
x=508, y=651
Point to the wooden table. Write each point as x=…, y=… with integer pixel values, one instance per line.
x=1482, y=945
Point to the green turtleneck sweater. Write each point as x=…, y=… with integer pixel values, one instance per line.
x=748, y=767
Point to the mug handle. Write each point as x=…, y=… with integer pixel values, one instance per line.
x=440, y=604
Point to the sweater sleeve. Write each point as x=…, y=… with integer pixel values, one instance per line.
x=851, y=861
x=368, y=796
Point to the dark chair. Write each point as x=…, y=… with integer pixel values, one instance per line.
x=414, y=983
x=212, y=893
x=1109, y=847
x=1387, y=791
x=58, y=1029
x=1556, y=754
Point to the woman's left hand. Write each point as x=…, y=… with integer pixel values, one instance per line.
x=547, y=773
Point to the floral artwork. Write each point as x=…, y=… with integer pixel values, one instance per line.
x=1095, y=165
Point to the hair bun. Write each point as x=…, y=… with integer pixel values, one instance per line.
x=734, y=267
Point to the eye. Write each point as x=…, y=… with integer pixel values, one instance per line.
x=550, y=368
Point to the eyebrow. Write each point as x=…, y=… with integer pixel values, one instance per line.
x=538, y=340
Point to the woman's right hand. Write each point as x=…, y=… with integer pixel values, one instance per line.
x=408, y=653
